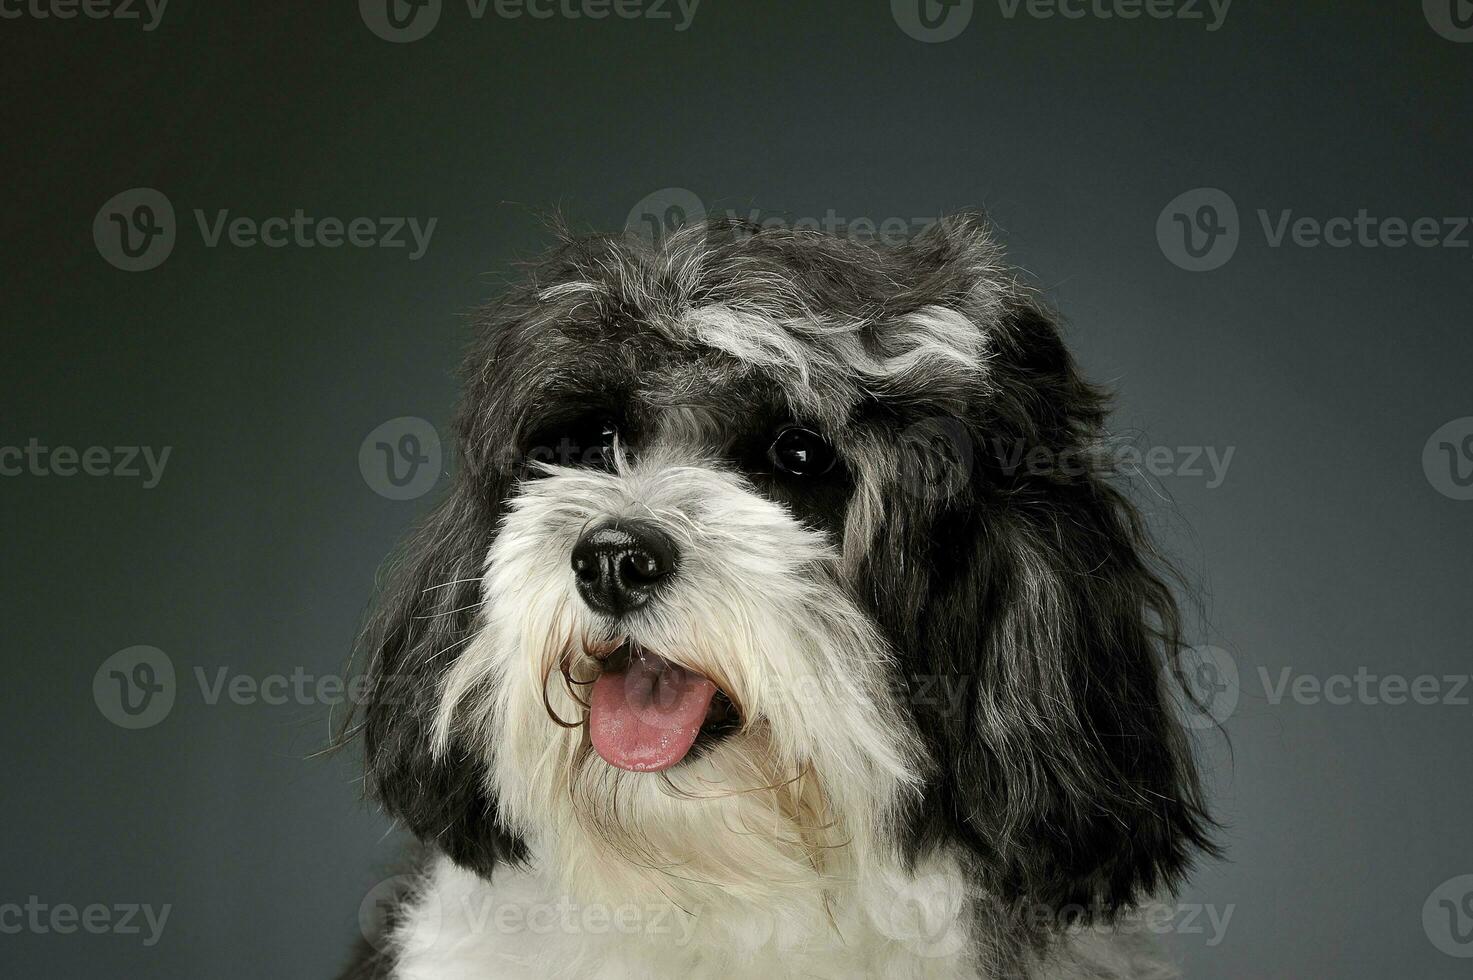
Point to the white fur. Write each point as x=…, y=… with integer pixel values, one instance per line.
x=825, y=359
x=524, y=925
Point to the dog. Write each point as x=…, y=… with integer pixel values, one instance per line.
x=741, y=646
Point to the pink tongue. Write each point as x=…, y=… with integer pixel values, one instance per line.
x=647, y=717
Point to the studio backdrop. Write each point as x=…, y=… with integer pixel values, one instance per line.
x=244, y=243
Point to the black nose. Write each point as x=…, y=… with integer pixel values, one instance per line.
x=619, y=564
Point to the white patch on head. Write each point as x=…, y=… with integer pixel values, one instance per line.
x=801, y=799
x=826, y=360
x=934, y=339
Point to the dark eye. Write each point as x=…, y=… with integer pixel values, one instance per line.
x=801, y=452
x=587, y=442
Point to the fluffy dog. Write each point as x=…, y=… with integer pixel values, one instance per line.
x=742, y=646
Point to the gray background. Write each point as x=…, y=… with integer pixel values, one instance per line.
x=1325, y=549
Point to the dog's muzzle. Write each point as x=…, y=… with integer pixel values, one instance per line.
x=644, y=712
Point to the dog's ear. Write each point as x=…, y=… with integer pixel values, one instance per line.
x=1066, y=773
x=425, y=614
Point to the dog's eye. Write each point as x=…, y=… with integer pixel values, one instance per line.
x=801, y=452
x=584, y=442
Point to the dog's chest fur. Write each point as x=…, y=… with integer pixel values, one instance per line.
x=523, y=926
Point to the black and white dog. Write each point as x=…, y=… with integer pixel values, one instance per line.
x=742, y=646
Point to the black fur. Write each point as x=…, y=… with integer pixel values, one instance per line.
x=422, y=618
x=1069, y=780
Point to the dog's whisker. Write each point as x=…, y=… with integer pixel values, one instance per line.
x=459, y=581
x=451, y=612
x=440, y=653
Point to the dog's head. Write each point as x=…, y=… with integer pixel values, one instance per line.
x=740, y=586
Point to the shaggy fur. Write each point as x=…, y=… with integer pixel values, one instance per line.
x=954, y=756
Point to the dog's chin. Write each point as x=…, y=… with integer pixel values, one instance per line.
x=649, y=713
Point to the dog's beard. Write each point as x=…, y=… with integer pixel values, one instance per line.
x=798, y=800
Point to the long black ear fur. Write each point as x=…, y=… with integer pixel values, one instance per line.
x=1072, y=778
x=424, y=616
x=1038, y=591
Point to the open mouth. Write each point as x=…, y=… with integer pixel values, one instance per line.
x=647, y=714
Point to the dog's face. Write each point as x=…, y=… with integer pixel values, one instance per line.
x=739, y=592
